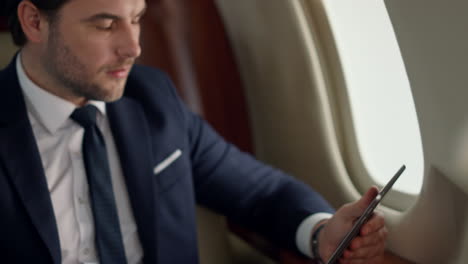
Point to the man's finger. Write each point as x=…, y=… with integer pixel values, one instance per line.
x=356, y=209
x=365, y=253
x=375, y=223
x=367, y=198
x=366, y=241
x=375, y=260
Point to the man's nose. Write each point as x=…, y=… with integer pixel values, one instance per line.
x=130, y=43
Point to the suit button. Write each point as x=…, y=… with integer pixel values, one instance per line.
x=81, y=200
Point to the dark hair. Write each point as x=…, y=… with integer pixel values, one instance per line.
x=48, y=7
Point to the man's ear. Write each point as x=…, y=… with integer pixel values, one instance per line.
x=33, y=23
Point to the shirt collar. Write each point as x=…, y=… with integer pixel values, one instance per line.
x=50, y=110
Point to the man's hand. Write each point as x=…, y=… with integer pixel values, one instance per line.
x=368, y=246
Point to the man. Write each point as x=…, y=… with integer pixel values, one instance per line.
x=100, y=162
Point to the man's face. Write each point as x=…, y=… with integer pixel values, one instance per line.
x=92, y=46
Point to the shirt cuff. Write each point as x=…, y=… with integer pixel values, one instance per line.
x=304, y=232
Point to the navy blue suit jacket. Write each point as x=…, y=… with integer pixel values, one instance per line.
x=148, y=123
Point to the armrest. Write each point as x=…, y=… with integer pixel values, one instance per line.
x=279, y=255
x=284, y=256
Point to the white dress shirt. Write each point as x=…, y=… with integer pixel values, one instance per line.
x=59, y=141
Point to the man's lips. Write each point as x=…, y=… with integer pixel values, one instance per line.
x=119, y=73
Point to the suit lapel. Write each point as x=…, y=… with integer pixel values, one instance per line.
x=20, y=155
x=132, y=136
x=19, y=152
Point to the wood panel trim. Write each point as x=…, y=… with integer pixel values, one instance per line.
x=187, y=39
x=3, y=24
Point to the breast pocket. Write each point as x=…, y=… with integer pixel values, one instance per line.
x=169, y=170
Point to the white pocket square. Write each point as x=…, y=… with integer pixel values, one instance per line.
x=168, y=161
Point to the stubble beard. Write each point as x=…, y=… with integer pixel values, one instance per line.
x=68, y=71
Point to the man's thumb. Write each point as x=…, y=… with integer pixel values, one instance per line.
x=361, y=205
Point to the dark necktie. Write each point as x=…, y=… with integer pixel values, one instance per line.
x=106, y=221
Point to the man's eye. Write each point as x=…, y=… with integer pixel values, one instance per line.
x=105, y=26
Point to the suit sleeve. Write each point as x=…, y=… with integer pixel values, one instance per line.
x=247, y=191
x=233, y=183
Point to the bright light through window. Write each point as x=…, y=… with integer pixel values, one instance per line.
x=382, y=106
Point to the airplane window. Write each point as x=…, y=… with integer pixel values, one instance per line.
x=381, y=106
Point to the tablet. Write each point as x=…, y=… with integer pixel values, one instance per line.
x=363, y=218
